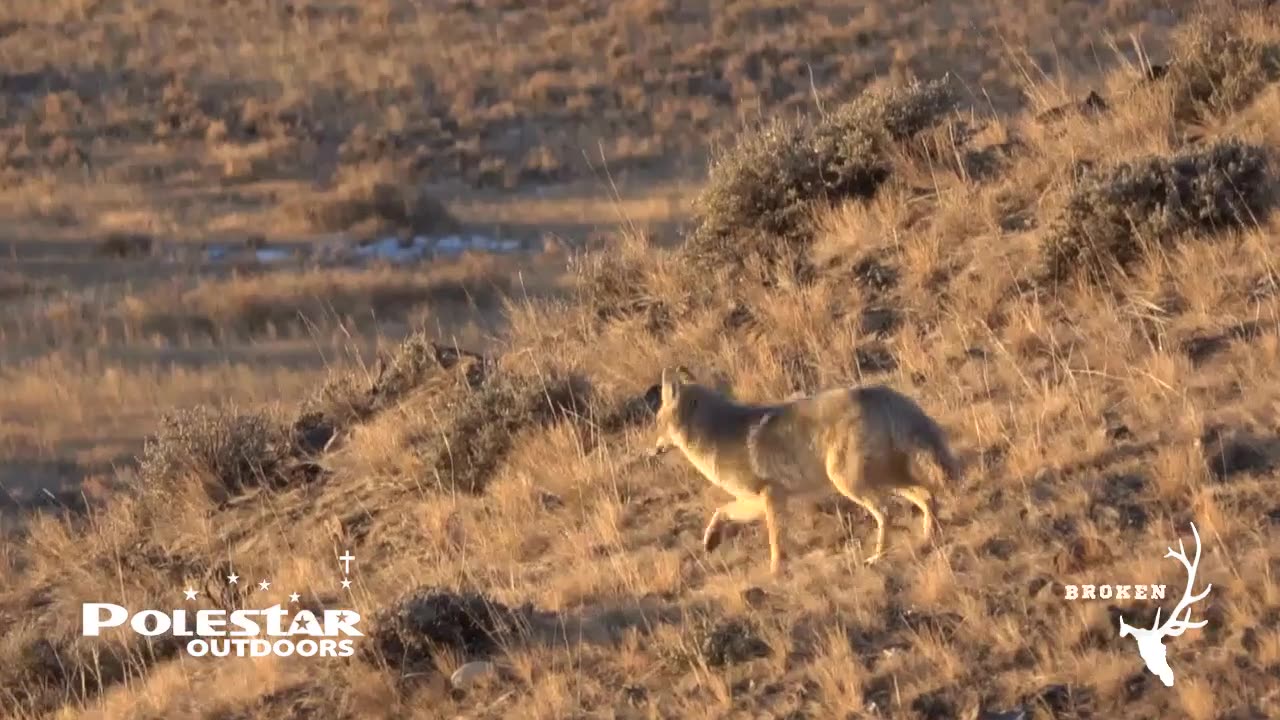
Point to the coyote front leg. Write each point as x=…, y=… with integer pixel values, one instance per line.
x=772, y=505
x=742, y=510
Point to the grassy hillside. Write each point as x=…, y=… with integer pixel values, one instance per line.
x=1082, y=291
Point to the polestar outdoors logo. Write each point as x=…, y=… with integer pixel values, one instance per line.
x=242, y=632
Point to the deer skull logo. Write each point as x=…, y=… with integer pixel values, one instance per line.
x=1151, y=642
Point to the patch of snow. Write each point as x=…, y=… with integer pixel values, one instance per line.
x=271, y=255
x=341, y=249
x=449, y=244
x=394, y=250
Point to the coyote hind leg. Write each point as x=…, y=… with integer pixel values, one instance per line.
x=921, y=497
x=846, y=481
x=772, y=505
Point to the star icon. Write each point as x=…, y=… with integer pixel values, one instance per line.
x=233, y=579
x=293, y=597
x=264, y=585
x=191, y=594
x=345, y=583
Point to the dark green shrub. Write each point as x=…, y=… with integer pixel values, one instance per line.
x=761, y=193
x=1113, y=217
x=232, y=450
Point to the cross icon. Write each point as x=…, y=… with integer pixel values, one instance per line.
x=346, y=559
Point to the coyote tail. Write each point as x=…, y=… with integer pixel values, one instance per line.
x=930, y=436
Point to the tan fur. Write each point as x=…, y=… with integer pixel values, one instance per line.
x=859, y=441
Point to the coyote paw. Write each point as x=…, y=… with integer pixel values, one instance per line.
x=873, y=558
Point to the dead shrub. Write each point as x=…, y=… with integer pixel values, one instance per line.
x=41, y=667
x=411, y=631
x=13, y=286
x=478, y=426
x=228, y=449
x=347, y=397
x=126, y=245
x=761, y=193
x=374, y=201
x=731, y=642
x=1218, y=69
x=1113, y=217
x=615, y=284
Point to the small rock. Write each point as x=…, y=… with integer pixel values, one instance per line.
x=1135, y=686
x=997, y=547
x=1041, y=587
x=1119, y=432
x=1015, y=714
x=733, y=642
x=1249, y=640
x=879, y=321
x=426, y=619
x=1230, y=454
x=549, y=500
x=754, y=596
x=933, y=706
x=126, y=245
x=635, y=695
x=1058, y=698
x=472, y=673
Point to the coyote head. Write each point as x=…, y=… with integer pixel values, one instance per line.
x=673, y=383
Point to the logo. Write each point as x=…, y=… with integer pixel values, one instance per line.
x=1151, y=640
x=273, y=630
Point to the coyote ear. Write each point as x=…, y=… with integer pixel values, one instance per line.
x=671, y=382
x=684, y=376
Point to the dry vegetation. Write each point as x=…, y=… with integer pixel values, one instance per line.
x=1087, y=299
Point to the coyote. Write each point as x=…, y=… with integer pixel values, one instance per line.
x=858, y=439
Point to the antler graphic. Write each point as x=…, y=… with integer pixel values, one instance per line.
x=1150, y=642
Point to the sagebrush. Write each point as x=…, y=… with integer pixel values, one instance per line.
x=1115, y=216
x=762, y=192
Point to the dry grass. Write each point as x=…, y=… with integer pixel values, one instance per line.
x=227, y=119
x=499, y=508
